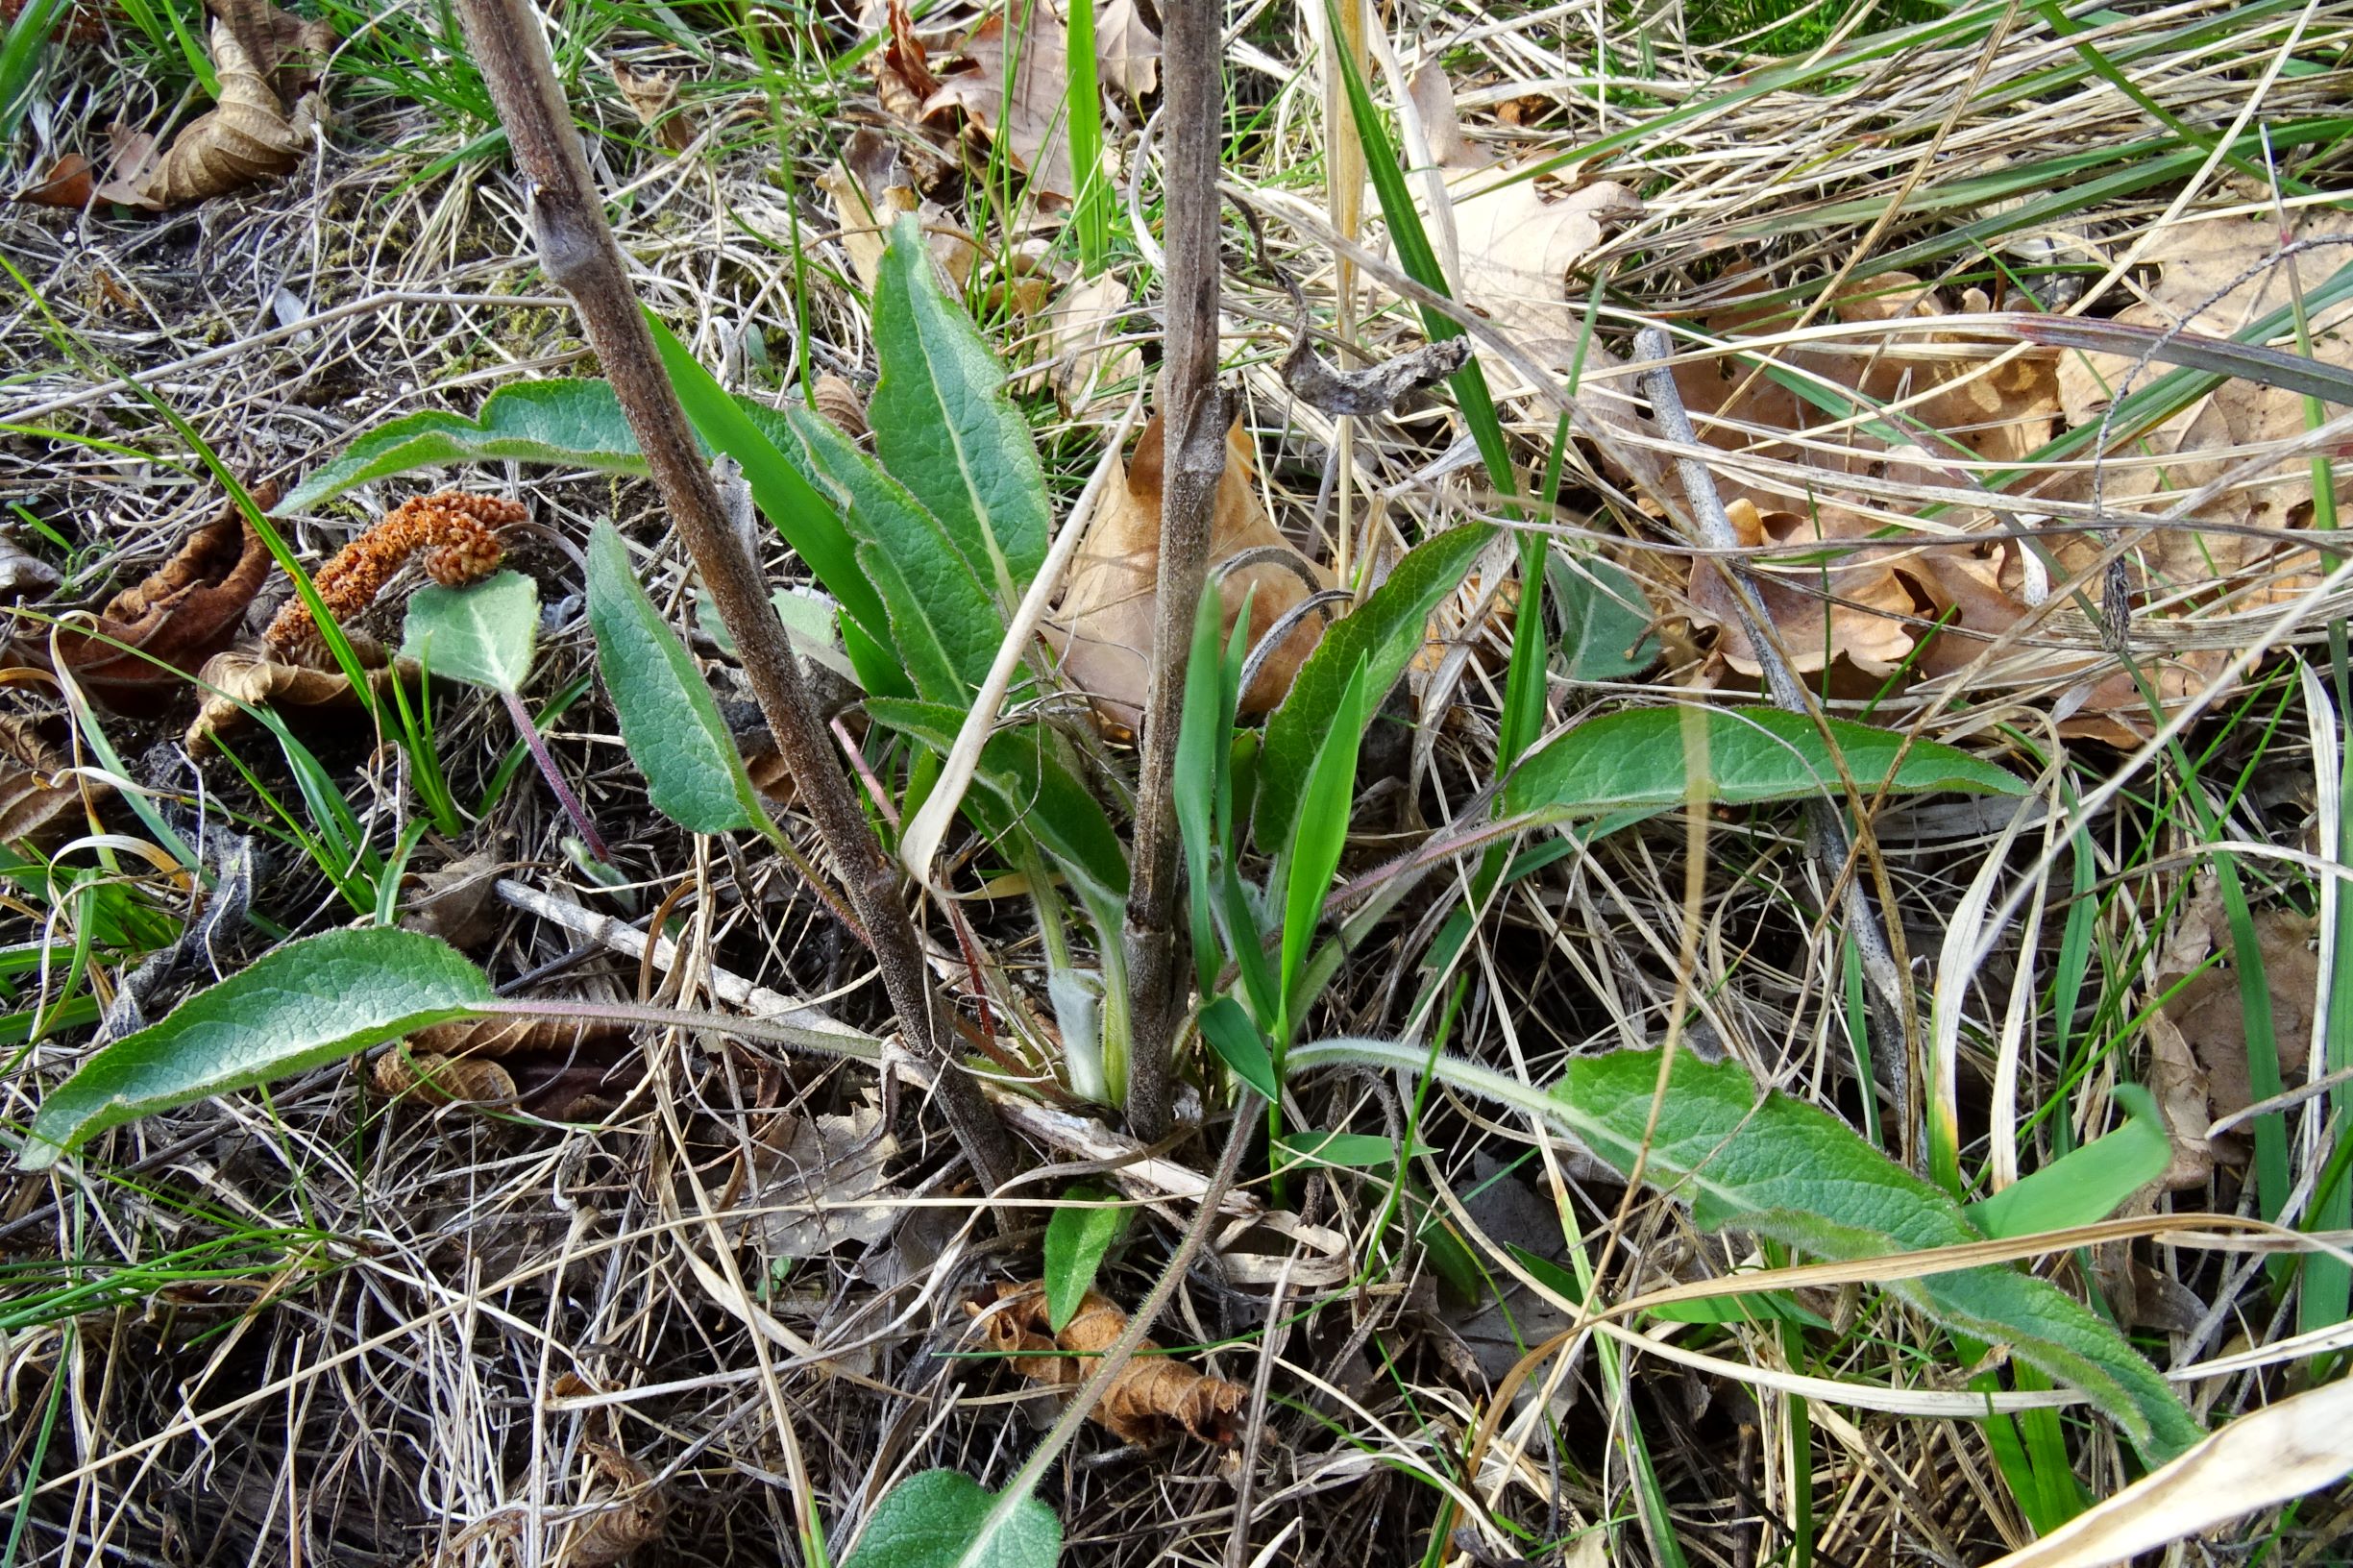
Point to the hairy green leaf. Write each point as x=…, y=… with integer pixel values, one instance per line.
x=945, y=428
x=946, y=1519
x=694, y=774
x=946, y=627
x=574, y=423
x=304, y=1004
x=1790, y=1170
x=1076, y=1238
x=1638, y=758
x=1605, y=621
x=1385, y=632
x=482, y=634
x=2088, y=1185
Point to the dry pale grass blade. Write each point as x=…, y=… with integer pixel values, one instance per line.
x=2266, y=1457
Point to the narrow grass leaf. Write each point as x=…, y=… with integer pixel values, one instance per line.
x=1202, y=754
x=304, y=1004
x=946, y=1519
x=945, y=428
x=1637, y=759
x=2087, y=1185
x=1239, y=1045
x=1076, y=1239
x=1351, y=1151
x=1382, y=634
x=694, y=774
x=1321, y=836
x=482, y=634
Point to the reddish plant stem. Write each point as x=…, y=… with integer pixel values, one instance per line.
x=554, y=776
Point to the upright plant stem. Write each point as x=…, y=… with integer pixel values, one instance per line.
x=1193, y=416
x=581, y=256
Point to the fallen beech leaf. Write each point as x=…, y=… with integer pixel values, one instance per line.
x=1104, y=626
x=246, y=137
x=653, y=96
x=187, y=609
x=1151, y=1399
x=456, y=903
x=1516, y=244
x=32, y=798
x=21, y=572
x=1033, y=122
x=825, y=1186
x=291, y=51
x=68, y=182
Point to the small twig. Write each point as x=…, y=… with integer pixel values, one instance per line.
x=1194, y=413
x=580, y=255
x=1891, y=992
x=555, y=775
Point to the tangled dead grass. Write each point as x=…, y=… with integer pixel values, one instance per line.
x=316, y=1327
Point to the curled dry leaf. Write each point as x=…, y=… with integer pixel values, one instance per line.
x=69, y=182
x=190, y=608
x=1032, y=121
x=902, y=73
x=1849, y=607
x=841, y=403
x=2212, y=1018
x=33, y=799
x=1103, y=629
x=869, y=188
x=555, y=1069
x=248, y=135
x=455, y=903
x=452, y=531
x=825, y=1185
x=255, y=677
x=1516, y=242
x=634, y=1514
x=21, y=572
x=653, y=96
x=1087, y=365
x=1152, y=1398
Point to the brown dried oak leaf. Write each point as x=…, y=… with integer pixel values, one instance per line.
x=152, y=634
x=1152, y=1397
x=267, y=63
x=1103, y=629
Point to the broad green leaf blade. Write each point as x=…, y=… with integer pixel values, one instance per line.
x=694, y=774
x=789, y=501
x=1605, y=621
x=945, y=428
x=1386, y=631
x=1790, y=1170
x=1024, y=771
x=1076, y=1238
x=1320, y=836
x=1635, y=759
x=574, y=423
x=929, y=590
x=1238, y=1044
x=1353, y=1151
x=946, y=1519
x=481, y=635
x=304, y=1004
x=2088, y=1185
x=1750, y=1307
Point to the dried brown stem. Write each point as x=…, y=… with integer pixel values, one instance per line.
x=1194, y=414
x=581, y=256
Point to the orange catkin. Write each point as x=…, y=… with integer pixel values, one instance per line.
x=454, y=531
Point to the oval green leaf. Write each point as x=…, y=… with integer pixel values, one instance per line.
x=694, y=774
x=1076, y=1238
x=304, y=1004
x=1638, y=759
x=944, y=426
x=946, y=1519
x=575, y=423
x=482, y=634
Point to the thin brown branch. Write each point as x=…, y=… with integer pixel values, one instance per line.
x=578, y=252
x=1194, y=414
